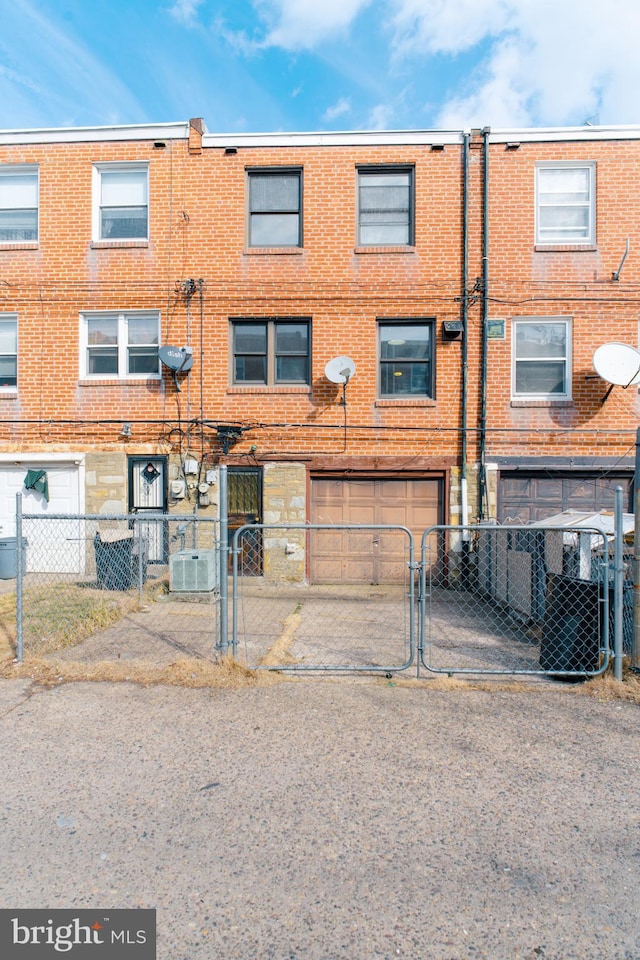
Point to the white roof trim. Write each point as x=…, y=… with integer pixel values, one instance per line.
x=146, y=131
x=555, y=134
x=333, y=138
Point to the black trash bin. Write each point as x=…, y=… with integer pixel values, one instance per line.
x=571, y=625
x=114, y=562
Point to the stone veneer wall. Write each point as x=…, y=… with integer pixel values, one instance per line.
x=284, y=501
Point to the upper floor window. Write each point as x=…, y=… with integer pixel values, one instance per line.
x=565, y=203
x=406, y=358
x=8, y=351
x=541, y=358
x=120, y=344
x=271, y=351
x=18, y=203
x=275, y=208
x=121, y=201
x=385, y=206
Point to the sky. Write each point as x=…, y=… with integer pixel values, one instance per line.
x=295, y=65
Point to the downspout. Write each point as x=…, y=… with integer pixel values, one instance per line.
x=482, y=431
x=464, y=315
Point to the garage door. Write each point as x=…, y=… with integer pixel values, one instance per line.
x=57, y=547
x=414, y=503
x=536, y=495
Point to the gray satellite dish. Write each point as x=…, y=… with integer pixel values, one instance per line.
x=617, y=363
x=178, y=359
x=340, y=370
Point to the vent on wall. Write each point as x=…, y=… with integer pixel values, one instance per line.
x=193, y=571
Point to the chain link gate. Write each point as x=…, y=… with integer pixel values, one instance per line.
x=357, y=614
x=515, y=600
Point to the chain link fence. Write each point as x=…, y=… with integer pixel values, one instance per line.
x=358, y=613
x=516, y=600
x=155, y=588
x=132, y=587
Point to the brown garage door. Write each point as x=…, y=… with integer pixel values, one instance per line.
x=415, y=503
x=524, y=497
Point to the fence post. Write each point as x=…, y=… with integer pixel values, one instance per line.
x=19, y=583
x=635, y=648
x=618, y=587
x=140, y=561
x=224, y=561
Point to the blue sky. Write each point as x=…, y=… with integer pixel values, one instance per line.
x=278, y=65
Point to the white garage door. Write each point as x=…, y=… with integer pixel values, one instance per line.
x=56, y=546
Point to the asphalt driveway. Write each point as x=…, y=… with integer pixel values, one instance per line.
x=317, y=819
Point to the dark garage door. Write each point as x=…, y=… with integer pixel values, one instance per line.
x=536, y=495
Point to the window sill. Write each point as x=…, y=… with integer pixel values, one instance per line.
x=565, y=247
x=385, y=250
x=564, y=402
x=29, y=245
x=118, y=381
x=273, y=251
x=254, y=389
x=406, y=402
x=117, y=244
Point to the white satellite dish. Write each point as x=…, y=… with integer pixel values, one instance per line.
x=340, y=370
x=617, y=363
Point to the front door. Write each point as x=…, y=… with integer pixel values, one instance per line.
x=148, y=494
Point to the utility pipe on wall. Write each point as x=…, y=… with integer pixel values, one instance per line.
x=464, y=497
x=482, y=474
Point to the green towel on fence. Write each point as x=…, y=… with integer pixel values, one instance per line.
x=37, y=480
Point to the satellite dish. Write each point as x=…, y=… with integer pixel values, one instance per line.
x=178, y=359
x=617, y=363
x=341, y=370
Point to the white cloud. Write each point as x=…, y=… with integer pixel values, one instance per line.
x=185, y=11
x=339, y=109
x=545, y=61
x=380, y=117
x=302, y=24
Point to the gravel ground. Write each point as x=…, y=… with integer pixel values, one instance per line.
x=326, y=819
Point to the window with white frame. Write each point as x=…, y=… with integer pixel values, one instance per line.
x=406, y=358
x=121, y=201
x=385, y=206
x=275, y=208
x=565, y=203
x=271, y=352
x=18, y=203
x=8, y=351
x=118, y=345
x=541, y=358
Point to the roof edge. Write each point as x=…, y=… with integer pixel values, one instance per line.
x=134, y=131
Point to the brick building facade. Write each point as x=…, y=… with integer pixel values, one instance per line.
x=469, y=277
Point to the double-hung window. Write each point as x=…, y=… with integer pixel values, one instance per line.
x=541, y=358
x=275, y=208
x=565, y=203
x=406, y=358
x=18, y=203
x=8, y=351
x=119, y=345
x=271, y=352
x=121, y=201
x=385, y=206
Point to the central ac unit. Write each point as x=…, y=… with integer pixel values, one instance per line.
x=193, y=571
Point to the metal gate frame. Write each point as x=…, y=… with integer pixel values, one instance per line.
x=465, y=534
x=410, y=604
